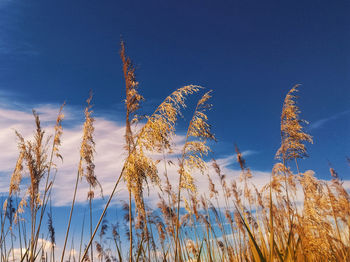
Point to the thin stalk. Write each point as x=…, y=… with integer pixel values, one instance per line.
x=168, y=193
x=152, y=237
x=271, y=225
x=45, y=198
x=287, y=195
x=3, y=219
x=130, y=227
x=19, y=230
x=102, y=215
x=1, y=234
x=81, y=237
x=26, y=244
x=53, y=253
x=296, y=163
x=70, y=216
x=34, y=209
x=90, y=207
x=13, y=252
x=52, y=242
x=180, y=181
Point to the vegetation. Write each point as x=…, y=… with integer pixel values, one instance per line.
x=294, y=217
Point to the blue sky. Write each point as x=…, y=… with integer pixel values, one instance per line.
x=249, y=52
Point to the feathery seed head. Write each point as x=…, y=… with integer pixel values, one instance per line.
x=195, y=147
x=292, y=134
x=58, y=132
x=17, y=175
x=87, y=149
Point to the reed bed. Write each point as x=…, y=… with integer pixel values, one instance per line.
x=293, y=217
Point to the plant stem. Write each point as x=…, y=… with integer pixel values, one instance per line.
x=70, y=216
x=130, y=227
x=102, y=215
x=90, y=207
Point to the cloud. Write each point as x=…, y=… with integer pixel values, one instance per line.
x=109, y=148
x=321, y=122
x=16, y=253
x=109, y=157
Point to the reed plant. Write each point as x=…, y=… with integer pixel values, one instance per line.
x=293, y=217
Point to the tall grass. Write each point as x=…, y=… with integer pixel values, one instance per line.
x=293, y=217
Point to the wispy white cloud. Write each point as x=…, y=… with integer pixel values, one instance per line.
x=17, y=253
x=109, y=148
x=322, y=122
x=109, y=157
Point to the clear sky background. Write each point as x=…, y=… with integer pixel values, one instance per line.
x=250, y=53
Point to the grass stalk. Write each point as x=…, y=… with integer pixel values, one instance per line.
x=70, y=216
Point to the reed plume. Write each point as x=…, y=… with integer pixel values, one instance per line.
x=87, y=149
x=195, y=147
x=193, y=151
x=292, y=134
x=155, y=136
x=34, y=155
x=86, y=166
